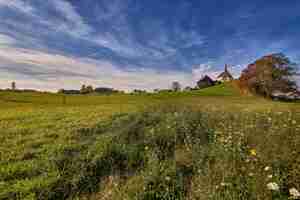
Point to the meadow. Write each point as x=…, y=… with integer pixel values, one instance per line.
x=206, y=144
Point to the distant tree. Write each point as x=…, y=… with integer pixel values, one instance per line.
x=187, y=88
x=86, y=89
x=176, y=86
x=156, y=90
x=83, y=89
x=89, y=89
x=61, y=91
x=13, y=86
x=137, y=91
x=268, y=74
x=104, y=90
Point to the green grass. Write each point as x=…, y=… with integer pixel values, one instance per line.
x=194, y=145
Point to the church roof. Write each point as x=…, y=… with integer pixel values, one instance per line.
x=206, y=79
x=225, y=74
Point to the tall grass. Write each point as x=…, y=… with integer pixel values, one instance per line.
x=166, y=152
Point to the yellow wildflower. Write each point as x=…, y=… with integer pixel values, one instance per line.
x=253, y=152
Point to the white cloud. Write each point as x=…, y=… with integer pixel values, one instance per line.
x=6, y=40
x=52, y=72
x=211, y=70
x=205, y=69
x=19, y=5
x=73, y=22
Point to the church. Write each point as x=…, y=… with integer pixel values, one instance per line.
x=225, y=76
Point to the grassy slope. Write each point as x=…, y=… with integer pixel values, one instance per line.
x=38, y=132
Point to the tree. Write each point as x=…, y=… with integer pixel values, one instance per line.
x=61, y=91
x=13, y=86
x=268, y=74
x=176, y=86
x=83, y=89
x=86, y=89
x=89, y=89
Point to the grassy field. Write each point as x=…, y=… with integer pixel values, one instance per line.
x=208, y=144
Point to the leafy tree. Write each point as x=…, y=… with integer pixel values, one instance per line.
x=60, y=91
x=83, y=89
x=89, y=89
x=86, y=89
x=176, y=86
x=268, y=74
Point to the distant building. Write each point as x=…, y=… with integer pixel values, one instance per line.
x=225, y=76
x=205, y=82
x=63, y=91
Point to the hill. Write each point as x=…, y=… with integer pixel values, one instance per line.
x=207, y=144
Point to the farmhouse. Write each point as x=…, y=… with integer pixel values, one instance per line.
x=225, y=76
x=205, y=82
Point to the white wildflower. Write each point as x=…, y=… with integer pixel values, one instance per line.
x=223, y=184
x=267, y=168
x=269, y=119
x=270, y=176
x=295, y=194
x=273, y=186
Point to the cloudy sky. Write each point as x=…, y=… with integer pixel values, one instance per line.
x=126, y=44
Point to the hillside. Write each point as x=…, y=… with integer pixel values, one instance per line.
x=159, y=146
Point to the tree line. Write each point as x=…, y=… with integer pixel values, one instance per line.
x=272, y=74
x=88, y=89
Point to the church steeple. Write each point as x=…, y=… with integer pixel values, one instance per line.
x=226, y=68
x=225, y=76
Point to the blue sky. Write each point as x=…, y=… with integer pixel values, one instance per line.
x=127, y=44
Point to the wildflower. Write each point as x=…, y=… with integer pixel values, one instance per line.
x=251, y=174
x=295, y=194
x=270, y=176
x=294, y=122
x=152, y=130
x=253, y=152
x=269, y=119
x=168, y=178
x=223, y=184
x=273, y=186
x=267, y=168
x=146, y=148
